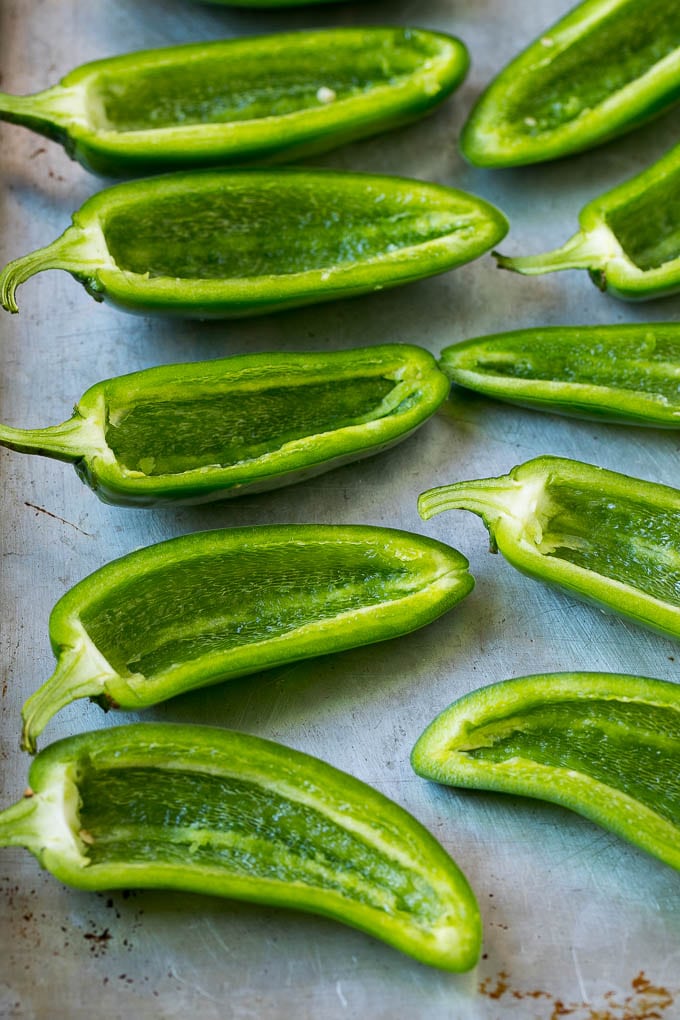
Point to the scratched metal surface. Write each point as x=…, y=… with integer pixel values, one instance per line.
x=572, y=915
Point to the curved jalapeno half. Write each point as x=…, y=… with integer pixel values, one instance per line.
x=627, y=374
x=240, y=100
x=210, y=430
x=629, y=238
x=606, y=67
x=242, y=242
x=603, y=744
x=605, y=537
x=212, y=811
x=216, y=605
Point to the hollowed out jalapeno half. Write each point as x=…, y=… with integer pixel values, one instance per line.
x=626, y=374
x=229, y=243
x=606, y=67
x=215, y=429
x=629, y=238
x=210, y=811
x=242, y=100
x=602, y=536
x=603, y=744
x=215, y=605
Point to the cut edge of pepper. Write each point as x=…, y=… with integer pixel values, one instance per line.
x=440, y=755
x=46, y=823
x=586, y=401
x=490, y=141
x=451, y=941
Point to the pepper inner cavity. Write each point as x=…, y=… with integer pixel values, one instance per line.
x=644, y=364
x=273, y=226
x=195, y=819
x=183, y=612
x=629, y=746
x=630, y=541
x=160, y=437
x=233, y=88
x=621, y=48
x=648, y=225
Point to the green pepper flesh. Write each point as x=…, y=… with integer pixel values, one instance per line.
x=218, y=235
x=648, y=225
x=216, y=605
x=606, y=67
x=269, y=97
x=239, y=426
x=603, y=536
x=211, y=430
x=627, y=374
x=212, y=811
x=629, y=239
x=144, y=634
x=233, y=243
x=605, y=745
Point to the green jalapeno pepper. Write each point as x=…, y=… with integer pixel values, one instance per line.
x=629, y=238
x=229, y=243
x=606, y=67
x=214, y=429
x=212, y=811
x=626, y=374
x=605, y=745
x=603, y=536
x=216, y=605
x=239, y=100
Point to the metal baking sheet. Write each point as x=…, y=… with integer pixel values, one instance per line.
x=577, y=922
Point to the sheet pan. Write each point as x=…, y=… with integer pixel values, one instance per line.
x=572, y=915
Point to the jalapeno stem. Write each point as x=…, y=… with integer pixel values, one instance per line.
x=48, y=112
x=486, y=497
x=492, y=499
x=47, y=822
x=80, y=673
x=22, y=824
x=590, y=249
x=78, y=251
x=62, y=442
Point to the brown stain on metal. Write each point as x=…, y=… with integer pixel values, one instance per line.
x=646, y=1001
x=98, y=941
x=62, y=520
x=499, y=989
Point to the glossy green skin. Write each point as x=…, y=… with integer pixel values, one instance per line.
x=209, y=430
x=626, y=374
x=605, y=745
x=212, y=606
x=604, y=537
x=605, y=68
x=242, y=100
x=629, y=238
x=242, y=242
x=211, y=811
